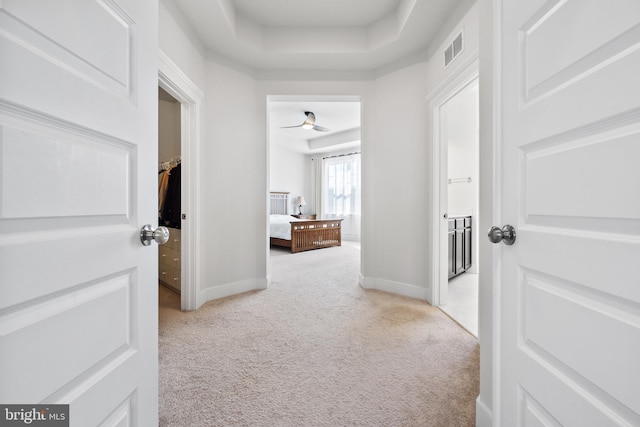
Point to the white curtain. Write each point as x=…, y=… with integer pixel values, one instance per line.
x=341, y=192
x=316, y=186
x=341, y=189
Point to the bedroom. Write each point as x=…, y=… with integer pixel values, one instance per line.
x=316, y=171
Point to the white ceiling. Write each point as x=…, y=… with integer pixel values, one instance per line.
x=307, y=13
x=343, y=35
x=335, y=36
x=342, y=118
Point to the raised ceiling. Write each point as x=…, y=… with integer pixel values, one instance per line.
x=307, y=37
x=307, y=13
x=341, y=117
x=325, y=35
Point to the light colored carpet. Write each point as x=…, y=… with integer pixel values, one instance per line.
x=315, y=349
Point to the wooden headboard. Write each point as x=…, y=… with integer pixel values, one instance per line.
x=279, y=202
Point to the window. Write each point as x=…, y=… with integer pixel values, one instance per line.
x=341, y=186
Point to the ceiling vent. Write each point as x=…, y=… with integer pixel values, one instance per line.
x=453, y=50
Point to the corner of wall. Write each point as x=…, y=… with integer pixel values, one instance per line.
x=404, y=289
x=228, y=289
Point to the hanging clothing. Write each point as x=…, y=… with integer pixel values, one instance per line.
x=171, y=209
x=163, y=184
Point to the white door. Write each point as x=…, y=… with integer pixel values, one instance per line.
x=78, y=148
x=569, y=114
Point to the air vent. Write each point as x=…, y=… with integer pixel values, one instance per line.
x=453, y=50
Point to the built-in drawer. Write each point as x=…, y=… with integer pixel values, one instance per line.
x=459, y=223
x=169, y=276
x=169, y=256
x=467, y=222
x=452, y=224
x=174, y=239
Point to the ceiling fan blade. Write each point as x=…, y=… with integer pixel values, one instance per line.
x=320, y=128
x=290, y=127
x=309, y=123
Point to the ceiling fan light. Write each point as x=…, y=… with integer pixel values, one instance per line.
x=307, y=126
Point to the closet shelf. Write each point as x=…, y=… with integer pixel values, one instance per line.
x=170, y=163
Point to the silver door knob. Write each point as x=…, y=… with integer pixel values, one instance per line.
x=507, y=235
x=160, y=235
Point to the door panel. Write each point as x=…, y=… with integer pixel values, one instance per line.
x=570, y=122
x=78, y=152
x=459, y=251
x=451, y=252
x=467, y=248
x=26, y=332
x=95, y=191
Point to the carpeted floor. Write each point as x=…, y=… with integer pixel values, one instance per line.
x=315, y=349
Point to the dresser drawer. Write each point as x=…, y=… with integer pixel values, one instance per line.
x=169, y=256
x=169, y=276
x=174, y=239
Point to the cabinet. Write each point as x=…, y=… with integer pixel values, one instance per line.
x=169, y=261
x=459, y=245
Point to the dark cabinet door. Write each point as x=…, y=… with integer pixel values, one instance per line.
x=452, y=253
x=459, y=246
x=467, y=248
x=459, y=264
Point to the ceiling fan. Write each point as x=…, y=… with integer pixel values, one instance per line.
x=309, y=123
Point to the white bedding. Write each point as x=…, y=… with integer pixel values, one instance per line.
x=280, y=226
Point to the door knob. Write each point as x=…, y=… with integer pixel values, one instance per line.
x=160, y=235
x=507, y=235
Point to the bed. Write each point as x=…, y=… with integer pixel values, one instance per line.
x=300, y=234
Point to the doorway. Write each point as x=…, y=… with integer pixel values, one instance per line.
x=460, y=138
x=189, y=98
x=169, y=189
x=465, y=225
x=301, y=161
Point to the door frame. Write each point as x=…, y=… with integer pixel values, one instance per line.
x=449, y=88
x=178, y=85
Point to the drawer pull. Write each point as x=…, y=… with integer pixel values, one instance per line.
x=176, y=259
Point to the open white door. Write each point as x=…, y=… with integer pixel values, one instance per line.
x=569, y=115
x=78, y=153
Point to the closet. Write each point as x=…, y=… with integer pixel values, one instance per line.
x=169, y=200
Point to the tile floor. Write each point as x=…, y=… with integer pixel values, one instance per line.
x=462, y=303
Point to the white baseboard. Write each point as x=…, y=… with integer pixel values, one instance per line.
x=484, y=417
x=399, y=288
x=229, y=289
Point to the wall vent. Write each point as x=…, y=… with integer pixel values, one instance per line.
x=453, y=50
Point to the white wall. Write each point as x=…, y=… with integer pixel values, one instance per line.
x=168, y=130
x=461, y=132
x=178, y=41
x=290, y=171
x=395, y=232
x=436, y=73
x=234, y=185
x=234, y=167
